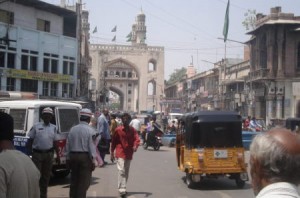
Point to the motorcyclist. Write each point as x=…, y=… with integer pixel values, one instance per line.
x=254, y=126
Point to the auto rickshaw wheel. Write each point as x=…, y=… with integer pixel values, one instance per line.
x=189, y=181
x=240, y=183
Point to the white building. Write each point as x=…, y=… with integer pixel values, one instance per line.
x=38, y=49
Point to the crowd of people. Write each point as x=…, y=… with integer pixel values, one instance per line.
x=274, y=156
x=86, y=147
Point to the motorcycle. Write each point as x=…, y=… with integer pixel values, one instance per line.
x=154, y=142
x=153, y=139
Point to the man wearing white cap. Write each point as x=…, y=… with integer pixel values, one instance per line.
x=42, y=142
x=81, y=154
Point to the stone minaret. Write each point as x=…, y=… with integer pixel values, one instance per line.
x=139, y=30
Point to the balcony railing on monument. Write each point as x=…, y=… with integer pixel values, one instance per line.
x=259, y=74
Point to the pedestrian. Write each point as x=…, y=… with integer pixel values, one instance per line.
x=19, y=177
x=274, y=164
x=125, y=141
x=81, y=154
x=254, y=126
x=246, y=123
x=42, y=143
x=96, y=138
x=113, y=124
x=103, y=130
x=136, y=124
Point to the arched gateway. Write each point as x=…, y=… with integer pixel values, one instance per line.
x=133, y=72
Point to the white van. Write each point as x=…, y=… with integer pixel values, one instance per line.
x=173, y=117
x=28, y=112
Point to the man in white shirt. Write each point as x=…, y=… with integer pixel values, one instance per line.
x=19, y=177
x=275, y=164
x=136, y=124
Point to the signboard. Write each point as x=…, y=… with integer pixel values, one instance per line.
x=34, y=75
x=20, y=143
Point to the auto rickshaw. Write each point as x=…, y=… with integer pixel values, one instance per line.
x=209, y=144
x=293, y=124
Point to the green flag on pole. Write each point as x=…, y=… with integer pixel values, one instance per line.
x=129, y=37
x=226, y=22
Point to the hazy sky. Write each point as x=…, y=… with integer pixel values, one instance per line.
x=188, y=29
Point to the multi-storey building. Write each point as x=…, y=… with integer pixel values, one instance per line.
x=38, y=49
x=274, y=77
x=268, y=86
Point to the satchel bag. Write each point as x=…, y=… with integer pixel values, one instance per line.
x=103, y=145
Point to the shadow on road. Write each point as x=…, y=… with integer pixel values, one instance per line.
x=209, y=184
x=66, y=181
x=146, y=194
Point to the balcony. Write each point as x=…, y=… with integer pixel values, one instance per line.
x=259, y=74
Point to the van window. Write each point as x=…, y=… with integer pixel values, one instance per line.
x=67, y=119
x=19, y=118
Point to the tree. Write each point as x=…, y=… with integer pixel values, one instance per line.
x=177, y=75
x=250, y=19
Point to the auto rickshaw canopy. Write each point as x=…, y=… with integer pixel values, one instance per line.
x=212, y=129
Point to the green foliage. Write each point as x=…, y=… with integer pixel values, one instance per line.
x=177, y=75
x=250, y=19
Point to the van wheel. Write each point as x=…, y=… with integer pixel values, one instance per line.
x=189, y=181
x=240, y=183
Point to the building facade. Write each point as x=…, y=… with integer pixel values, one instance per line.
x=274, y=77
x=38, y=49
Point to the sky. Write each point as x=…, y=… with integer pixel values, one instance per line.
x=189, y=30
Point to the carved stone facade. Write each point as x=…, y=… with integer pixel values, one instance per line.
x=135, y=72
x=275, y=65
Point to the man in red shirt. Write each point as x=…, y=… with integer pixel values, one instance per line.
x=125, y=141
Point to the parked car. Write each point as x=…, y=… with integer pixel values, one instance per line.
x=247, y=137
x=168, y=139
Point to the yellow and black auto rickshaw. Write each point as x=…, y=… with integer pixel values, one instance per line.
x=209, y=144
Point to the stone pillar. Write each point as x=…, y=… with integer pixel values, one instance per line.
x=280, y=44
x=270, y=48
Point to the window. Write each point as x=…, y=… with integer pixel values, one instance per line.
x=68, y=65
x=11, y=57
x=152, y=66
x=123, y=74
x=50, y=63
x=6, y=17
x=67, y=90
x=29, y=60
x=151, y=88
x=45, y=88
x=29, y=85
x=129, y=91
x=129, y=75
x=43, y=25
x=2, y=59
x=64, y=90
x=10, y=84
x=53, y=89
x=7, y=58
x=71, y=87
